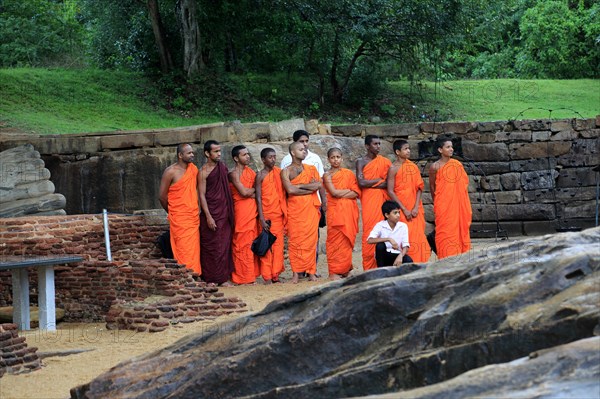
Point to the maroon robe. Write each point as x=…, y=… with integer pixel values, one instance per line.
x=215, y=246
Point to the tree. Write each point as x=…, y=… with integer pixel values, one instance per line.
x=190, y=34
x=166, y=62
x=336, y=34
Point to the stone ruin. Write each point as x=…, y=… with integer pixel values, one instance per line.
x=518, y=319
x=25, y=185
x=138, y=290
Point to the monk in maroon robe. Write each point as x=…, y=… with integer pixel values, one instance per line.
x=216, y=219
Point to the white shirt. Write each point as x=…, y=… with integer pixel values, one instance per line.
x=399, y=234
x=311, y=159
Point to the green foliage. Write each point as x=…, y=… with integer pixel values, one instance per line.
x=40, y=33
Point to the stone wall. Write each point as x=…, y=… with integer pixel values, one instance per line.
x=15, y=356
x=95, y=288
x=531, y=176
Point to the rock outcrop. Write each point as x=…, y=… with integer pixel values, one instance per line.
x=25, y=186
x=385, y=331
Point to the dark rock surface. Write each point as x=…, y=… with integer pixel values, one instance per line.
x=565, y=371
x=386, y=330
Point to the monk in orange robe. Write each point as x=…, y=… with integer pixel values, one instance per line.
x=178, y=195
x=301, y=182
x=342, y=215
x=241, y=178
x=272, y=214
x=371, y=173
x=453, y=214
x=405, y=186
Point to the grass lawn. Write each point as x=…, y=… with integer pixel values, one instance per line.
x=504, y=99
x=87, y=100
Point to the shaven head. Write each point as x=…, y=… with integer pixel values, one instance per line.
x=295, y=145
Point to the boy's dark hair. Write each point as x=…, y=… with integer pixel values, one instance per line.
x=265, y=152
x=235, y=151
x=439, y=142
x=369, y=138
x=398, y=145
x=209, y=144
x=299, y=133
x=389, y=206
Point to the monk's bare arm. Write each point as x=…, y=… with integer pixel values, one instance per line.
x=432, y=175
x=364, y=183
x=391, y=184
x=234, y=178
x=202, y=196
x=415, y=210
x=258, y=187
x=290, y=188
x=163, y=190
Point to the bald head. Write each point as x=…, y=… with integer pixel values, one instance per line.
x=295, y=145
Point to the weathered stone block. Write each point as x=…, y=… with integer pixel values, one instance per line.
x=175, y=137
x=485, y=138
x=564, y=195
x=324, y=129
x=590, y=134
x=543, y=135
x=458, y=127
x=536, y=180
x=533, y=164
x=123, y=141
x=538, y=150
x=486, y=168
x=490, y=126
x=348, y=130
x=249, y=132
x=492, y=230
x=498, y=197
x=576, y=177
x=220, y=132
x=431, y=127
x=487, y=183
x=579, y=209
x=66, y=144
x=560, y=125
x=515, y=135
x=487, y=212
x=510, y=181
x=584, y=124
x=539, y=228
x=584, y=152
x=485, y=152
x=311, y=126
x=392, y=132
x=565, y=135
x=280, y=131
x=538, y=124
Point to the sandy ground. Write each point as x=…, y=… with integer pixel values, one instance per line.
x=108, y=348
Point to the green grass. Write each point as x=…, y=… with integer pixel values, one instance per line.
x=88, y=100
x=504, y=99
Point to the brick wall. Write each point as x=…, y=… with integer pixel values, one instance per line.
x=15, y=356
x=89, y=289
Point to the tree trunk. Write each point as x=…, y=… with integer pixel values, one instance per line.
x=190, y=34
x=166, y=62
x=335, y=85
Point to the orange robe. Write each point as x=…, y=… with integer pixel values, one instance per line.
x=452, y=209
x=371, y=200
x=408, y=181
x=303, y=224
x=184, y=221
x=274, y=209
x=245, y=263
x=342, y=224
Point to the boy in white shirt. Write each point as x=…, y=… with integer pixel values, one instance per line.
x=391, y=237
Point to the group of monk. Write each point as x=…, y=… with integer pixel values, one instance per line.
x=216, y=213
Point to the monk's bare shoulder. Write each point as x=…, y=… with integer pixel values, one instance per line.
x=260, y=176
